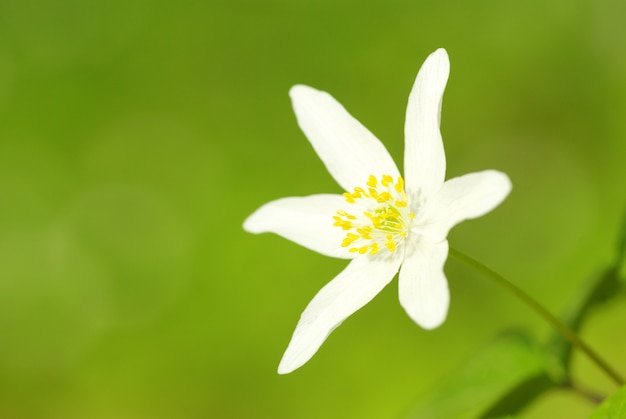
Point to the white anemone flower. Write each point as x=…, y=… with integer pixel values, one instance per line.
x=383, y=223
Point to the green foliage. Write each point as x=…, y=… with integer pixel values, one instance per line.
x=612, y=408
x=510, y=369
x=511, y=372
x=597, y=290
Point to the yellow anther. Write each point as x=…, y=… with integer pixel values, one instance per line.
x=339, y=222
x=390, y=243
x=384, y=221
x=400, y=185
x=365, y=232
x=349, y=239
x=383, y=197
x=344, y=214
x=401, y=204
x=358, y=192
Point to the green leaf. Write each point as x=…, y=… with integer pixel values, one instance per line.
x=612, y=408
x=621, y=242
x=495, y=382
x=520, y=396
x=620, y=265
x=597, y=290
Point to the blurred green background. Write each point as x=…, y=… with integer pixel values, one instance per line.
x=136, y=136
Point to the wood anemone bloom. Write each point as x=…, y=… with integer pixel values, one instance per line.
x=383, y=223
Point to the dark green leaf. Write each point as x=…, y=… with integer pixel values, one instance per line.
x=597, y=290
x=494, y=380
x=520, y=396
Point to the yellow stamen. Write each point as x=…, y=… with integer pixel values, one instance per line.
x=386, y=222
x=390, y=243
x=400, y=185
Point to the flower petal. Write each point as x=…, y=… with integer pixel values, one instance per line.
x=463, y=198
x=354, y=287
x=423, y=287
x=349, y=150
x=307, y=221
x=424, y=157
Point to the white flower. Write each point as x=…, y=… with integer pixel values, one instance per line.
x=384, y=223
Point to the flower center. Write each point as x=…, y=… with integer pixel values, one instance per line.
x=381, y=219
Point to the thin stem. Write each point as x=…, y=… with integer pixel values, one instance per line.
x=547, y=316
x=592, y=396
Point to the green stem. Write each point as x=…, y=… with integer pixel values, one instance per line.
x=547, y=316
x=592, y=396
